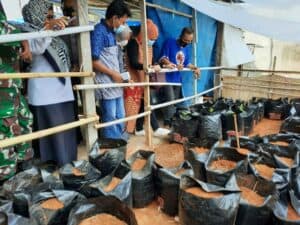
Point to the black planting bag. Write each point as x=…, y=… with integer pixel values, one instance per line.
x=278, y=109
x=122, y=191
x=197, y=160
x=54, y=217
x=249, y=214
x=220, y=177
x=105, y=204
x=246, y=122
x=167, y=186
x=86, y=174
x=194, y=210
x=291, y=124
x=107, y=154
x=143, y=180
x=227, y=118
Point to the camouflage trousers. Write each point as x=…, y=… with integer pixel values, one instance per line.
x=15, y=120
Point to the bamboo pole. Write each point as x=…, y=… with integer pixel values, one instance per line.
x=261, y=86
x=226, y=78
x=146, y=63
x=6, y=38
x=123, y=120
x=219, y=50
x=46, y=132
x=100, y=86
x=236, y=131
x=263, y=71
x=44, y=75
x=158, y=106
x=185, y=69
x=195, y=41
x=168, y=10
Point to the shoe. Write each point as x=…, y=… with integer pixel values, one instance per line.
x=140, y=133
x=161, y=132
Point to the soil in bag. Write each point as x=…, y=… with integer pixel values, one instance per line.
x=107, y=154
x=257, y=200
x=105, y=210
x=167, y=181
x=222, y=163
x=203, y=203
x=53, y=207
x=118, y=184
x=197, y=157
x=262, y=165
x=143, y=188
x=77, y=174
x=169, y=155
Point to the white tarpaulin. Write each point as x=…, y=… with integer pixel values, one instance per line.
x=235, y=51
x=278, y=19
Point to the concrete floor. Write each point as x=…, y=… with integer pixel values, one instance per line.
x=151, y=215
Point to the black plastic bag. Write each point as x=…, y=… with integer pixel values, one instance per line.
x=194, y=210
x=291, y=124
x=249, y=214
x=278, y=109
x=107, y=154
x=227, y=118
x=58, y=215
x=122, y=191
x=246, y=142
x=246, y=122
x=197, y=160
x=259, y=107
x=167, y=182
x=210, y=130
x=295, y=110
x=219, y=177
x=105, y=204
x=22, y=200
x=78, y=173
x=261, y=159
x=143, y=188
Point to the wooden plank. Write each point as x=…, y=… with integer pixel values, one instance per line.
x=4, y=76
x=219, y=49
x=195, y=42
x=147, y=125
x=89, y=102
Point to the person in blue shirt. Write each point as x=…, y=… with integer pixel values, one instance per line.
x=105, y=54
x=176, y=54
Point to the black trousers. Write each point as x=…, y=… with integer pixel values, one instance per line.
x=140, y=121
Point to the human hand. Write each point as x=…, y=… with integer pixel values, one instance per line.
x=56, y=24
x=117, y=77
x=180, y=67
x=26, y=53
x=156, y=68
x=170, y=66
x=197, y=73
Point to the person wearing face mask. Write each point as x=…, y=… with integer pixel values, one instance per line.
x=106, y=64
x=176, y=54
x=134, y=95
x=122, y=41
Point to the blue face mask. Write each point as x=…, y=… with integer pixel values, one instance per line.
x=120, y=29
x=151, y=42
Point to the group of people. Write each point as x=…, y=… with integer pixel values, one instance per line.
x=116, y=52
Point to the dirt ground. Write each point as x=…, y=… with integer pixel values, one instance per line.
x=151, y=215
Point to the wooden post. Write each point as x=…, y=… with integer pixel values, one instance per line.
x=236, y=131
x=195, y=28
x=85, y=59
x=217, y=77
x=147, y=103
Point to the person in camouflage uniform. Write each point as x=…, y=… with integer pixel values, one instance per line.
x=15, y=117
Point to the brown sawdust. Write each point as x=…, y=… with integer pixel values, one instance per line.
x=252, y=197
x=198, y=191
x=223, y=165
x=180, y=172
x=266, y=127
x=200, y=150
x=265, y=171
x=102, y=219
x=243, y=151
x=280, y=143
x=138, y=164
x=292, y=214
x=76, y=172
x=287, y=161
x=115, y=181
x=169, y=155
x=52, y=204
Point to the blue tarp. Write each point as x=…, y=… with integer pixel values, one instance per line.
x=170, y=25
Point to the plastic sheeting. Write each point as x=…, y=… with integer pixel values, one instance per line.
x=277, y=19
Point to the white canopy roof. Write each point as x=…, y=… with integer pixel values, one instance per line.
x=278, y=19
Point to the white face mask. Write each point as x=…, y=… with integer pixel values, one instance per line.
x=122, y=43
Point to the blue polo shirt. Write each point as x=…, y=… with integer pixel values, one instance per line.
x=177, y=55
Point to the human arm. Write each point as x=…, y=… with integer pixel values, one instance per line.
x=164, y=59
x=26, y=53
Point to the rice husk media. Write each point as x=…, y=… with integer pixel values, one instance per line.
x=138, y=164
x=223, y=165
x=252, y=197
x=102, y=219
x=77, y=172
x=292, y=214
x=200, y=150
x=265, y=171
x=243, y=151
x=287, y=161
x=280, y=143
x=198, y=191
x=115, y=181
x=169, y=155
x=52, y=204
